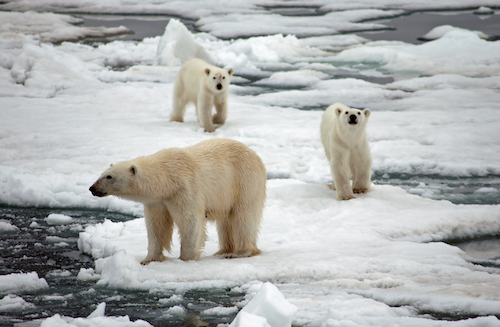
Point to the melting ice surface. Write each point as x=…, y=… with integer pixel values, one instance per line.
x=69, y=110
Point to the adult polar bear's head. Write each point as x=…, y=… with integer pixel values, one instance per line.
x=351, y=118
x=116, y=180
x=218, y=79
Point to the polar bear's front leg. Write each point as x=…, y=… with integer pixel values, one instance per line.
x=221, y=111
x=178, y=104
x=361, y=181
x=341, y=177
x=160, y=226
x=204, y=109
x=361, y=166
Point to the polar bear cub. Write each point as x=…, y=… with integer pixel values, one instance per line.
x=346, y=146
x=205, y=86
x=220, y=180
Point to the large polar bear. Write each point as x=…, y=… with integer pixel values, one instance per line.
x=344, y=138
x=220, y=180
x=205, y=86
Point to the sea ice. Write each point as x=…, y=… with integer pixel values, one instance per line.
x=69, y=110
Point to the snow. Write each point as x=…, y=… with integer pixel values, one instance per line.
x=69, y=110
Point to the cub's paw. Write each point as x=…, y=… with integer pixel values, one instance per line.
x=343, y=197
x=218, y=120
x=360, y=190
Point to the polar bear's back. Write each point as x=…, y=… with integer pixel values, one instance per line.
x=231, y=172
x=211, y=153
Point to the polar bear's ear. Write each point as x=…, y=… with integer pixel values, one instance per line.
x=230, y=71
x=133, y=170
x=338, y=111
x=367, y=112
x=207, y=71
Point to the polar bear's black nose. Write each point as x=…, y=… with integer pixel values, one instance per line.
x=219, y=86
x=353, y=119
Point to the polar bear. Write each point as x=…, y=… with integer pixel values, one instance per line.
x=205, y=86
x=219, y=180
x=346, y=146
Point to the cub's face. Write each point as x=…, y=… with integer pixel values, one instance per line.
x=218, y=79
x=116, y=180
x=353, y=118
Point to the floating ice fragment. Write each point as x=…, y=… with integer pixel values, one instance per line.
x=13, y=303
x=484, y=11
x=15, y=283
x=440, y=31
x=6, y=226
x=99, y=311
x=58, y=219
x=270, y=304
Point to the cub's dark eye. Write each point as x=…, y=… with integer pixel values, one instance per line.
x=347, y=112
x=224, y=77
x=359, y=113
x=214, y=77
x=109, y=177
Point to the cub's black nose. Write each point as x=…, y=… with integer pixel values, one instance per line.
x=353, y=119
x=92, y=189
x=219, y=86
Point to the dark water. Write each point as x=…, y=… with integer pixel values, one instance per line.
x=409, y=28
x=34, y=249
x=53, y=253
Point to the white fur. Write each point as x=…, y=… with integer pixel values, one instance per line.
x=197, y=83
x=220, y=180
x=347, y=150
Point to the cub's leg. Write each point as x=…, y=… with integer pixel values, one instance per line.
x=204, y=109
x=179, y=104
x=341, y=177
x=361, y=172
x=221, y=112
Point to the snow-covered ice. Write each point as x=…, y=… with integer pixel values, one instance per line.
x=68, y=110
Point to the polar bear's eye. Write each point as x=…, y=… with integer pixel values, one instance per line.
x=214, y=77
x=224, y=77
x=347, y=112
x=109, y=177
x=359, y=113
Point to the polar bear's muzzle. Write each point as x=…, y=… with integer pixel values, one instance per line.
x=96, y=192
x=353, y=120
x=219, y=86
